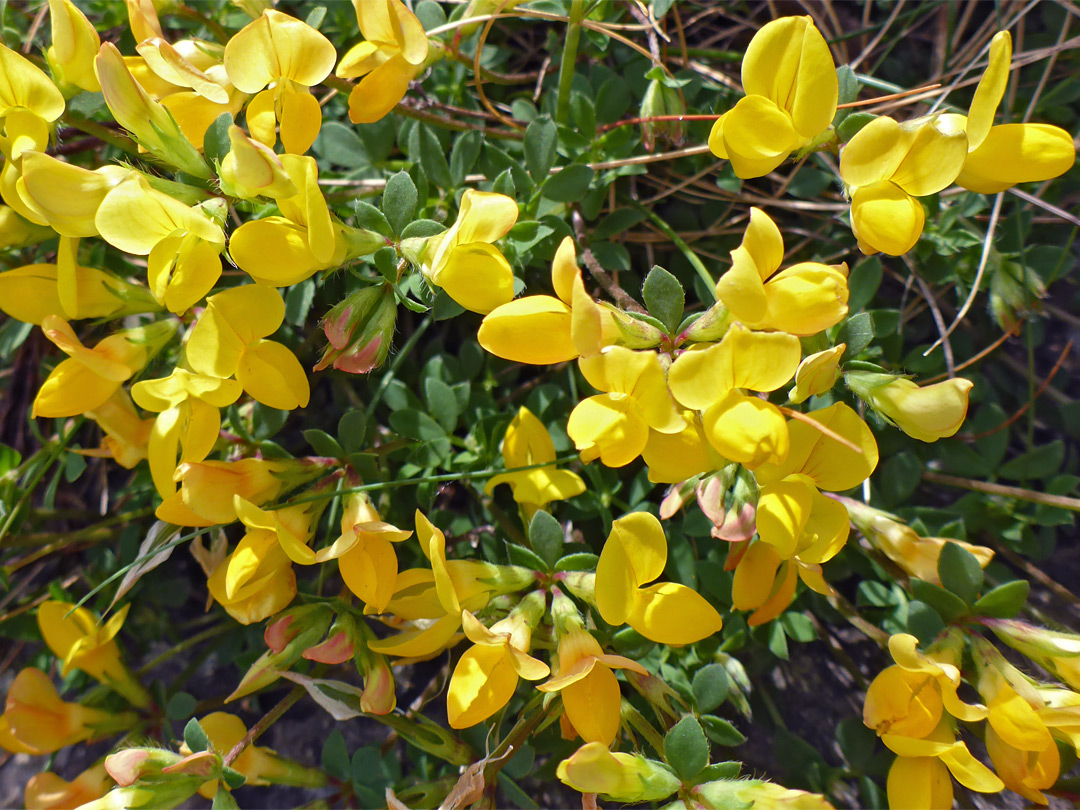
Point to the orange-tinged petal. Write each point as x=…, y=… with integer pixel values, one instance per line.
x=754, y=576
x=593, y=705
x=380, y=90
x=922, y=782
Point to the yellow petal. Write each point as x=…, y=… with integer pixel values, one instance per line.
x=477, y=276
x=933, y=160
x=301, y=119
x=780, y=598
x=533, y=330
x=484, y=216
x=670, y=613
x=990, y=90
x=634, y=554
x=886, y=218
x=134, y=217
x=26, y=86
x=826, y=532
x=758, y=136
x=782, y=514
x=419, y=643
x=817, y=373
x=609, y=429
x=68, y=195
x=29, y=293
x=903, y=703
x=593, y=705
x=272, y=375
x=922, y=782
x=483, y=682
x=565, y=270
x=675, y=457
x=277, y=46
x=754, y=576
x=1017, y=153
x=874, y=153
x=380, y=90
x=829, y=464
x=75, y=43
x=370, y=572
x=747, y=430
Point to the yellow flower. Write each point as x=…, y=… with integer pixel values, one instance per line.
x=67, y=196
x=919, y=783
x=252, y=169
x=999, y=157
x=285, y=250
x=765, y=583
x=47, y=791
x=921, y=779
x=527, y=442
x=21, y=132
x=584, y=678
x=25, y=87
x=675, y=457
x=365, y=552
x=127, y=435
x=39, y=722
x=30, y=293
x=614, y=426
x=886, y=166
x=146, y=119
x=669, y=613
x=543, y=330
x=88, y=377
x=900, y=701
x=622, y=777
x=742, y=428
x=792, y=514
x=280, y=50
x=929, y=413
x=292, y=526
x=394, y=53
x=76, y=638
x=256, y=580
x=463, y=260
x=188, y=420
x=791, y=90
x=487, y=674
x=75, y=43
x=802, y=299
x=229, y=338
x=817, y=373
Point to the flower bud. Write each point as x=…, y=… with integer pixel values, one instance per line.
x=817, y=373
x=622, y=777
x=360, y=330
x=711, y=326
x=661, y=100
x=928, y=414
x=288, y=637
x=1057, y=653
x=379, y=695
x=758, y=793
x=252, y=169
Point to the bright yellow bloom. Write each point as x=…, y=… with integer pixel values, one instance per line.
x=229, y=338
x=584, y=678
x=365, y=552
x=792, y=514
x=252, y=169
x=614, y=426
x=622, y=777
x=21, y=132
x=146, y=119
x=24, y=86
x=66, y=196
x=256, y=580
x=528, y=442
x=919, y=783
x=921, y=780
x=802, y=299
x=88, y=377
x=48, y=791
x=80, y=642
x=487, y=674
x=463, y=260
x=742, y=428
x=31, y=293
x=901, y=701
x=886, y=166
x=188, y=419
x=635, y=554
x=292, y=526
x=929, y=413
x=39, y=721
x=1024, y=771
x=75, y=43
x=791, y=90
x=441, y=593
x=127, y=435
x=817, y=373
x=1001, y=156
x=765, y=583
x=285, y=250
x=280, y=50
x=542, y=329
x=675, y=457
x=394, y=53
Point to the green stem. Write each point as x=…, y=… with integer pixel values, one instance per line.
x=569, y=57
x=388, y=377
x=684, y=248
x=102, y=133
x=637, y=721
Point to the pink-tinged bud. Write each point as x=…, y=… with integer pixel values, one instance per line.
x=337, y=649
x=134, y=764
x=379, y=696
x=287, y=637
x=277, y=633
x=203, y=764
x=739, y=521
x=360, y=330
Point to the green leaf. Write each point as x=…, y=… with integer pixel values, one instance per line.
x=504, y=183
x=1042, y=462
x=924, y=622
x=848, y=85
x=399, y=201
x=316, y=16
x=960, y=572
x=463, y=155
x=664, y=297
x=778, y=645
x=546, y=537
x=340, y=145
x=1004, y=601
x=541, y=140
x=422, y=228
x=721, y=731
x=180, y=705
x=899, y=477
x=710, y=687
x=298, y=302
x=857, y=332
x=350, y=431
x=863, y=283
x=686, y=749
x=216, y=143
x=371, y=218
x=718, y=771
x=570, y=184
x=223, y=799
x=233, y=779
x=433, y=159
x=441, y=403
x=851, y=125
x=335, y=756
x=526, y=558
x=857, y=743
x=945, y=602
x=578, y=561
x=195, y=737
x=386, y=263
